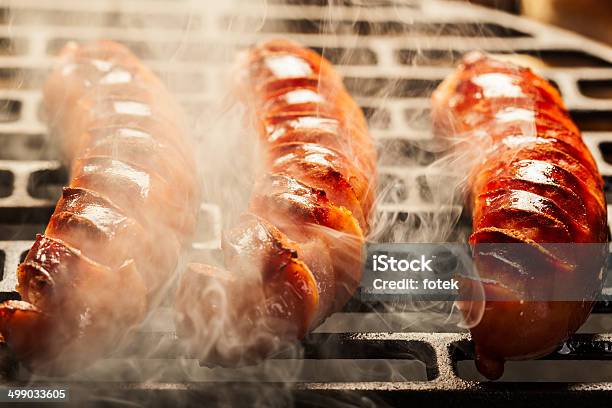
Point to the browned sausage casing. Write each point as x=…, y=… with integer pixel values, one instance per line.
x=308, y=213
x=114, y=238
x=537, y=185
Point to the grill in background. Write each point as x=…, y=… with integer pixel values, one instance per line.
x=406, y=48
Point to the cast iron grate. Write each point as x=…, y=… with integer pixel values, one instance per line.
x=406, y=47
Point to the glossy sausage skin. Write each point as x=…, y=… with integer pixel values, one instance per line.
x=113, y=240
x=536, y=183
x=296, y=256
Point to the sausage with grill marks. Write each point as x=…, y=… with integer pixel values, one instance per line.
x=295, y=257
x=114, y=239
x=536, y=185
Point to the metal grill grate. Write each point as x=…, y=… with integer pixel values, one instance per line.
x=408, y=48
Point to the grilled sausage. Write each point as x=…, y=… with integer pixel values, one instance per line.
x=114, y=239
x=537, y=185
x=296, y=256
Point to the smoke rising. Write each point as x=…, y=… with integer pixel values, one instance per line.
x=193, y=62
